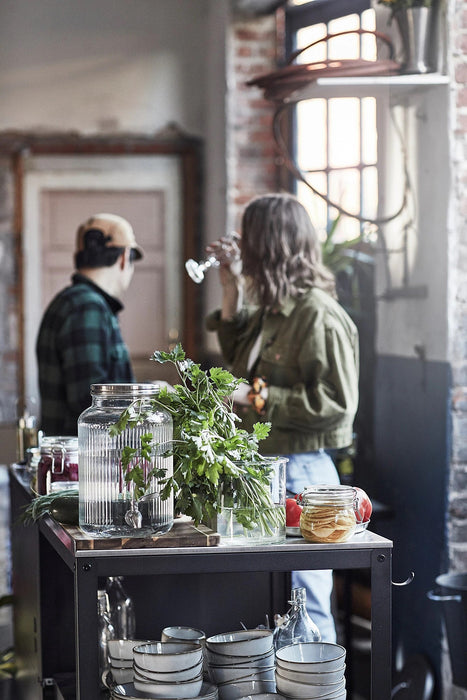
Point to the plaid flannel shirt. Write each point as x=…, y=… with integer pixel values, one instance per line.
x=79, y=344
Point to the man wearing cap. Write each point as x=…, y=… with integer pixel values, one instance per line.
x=79, y=341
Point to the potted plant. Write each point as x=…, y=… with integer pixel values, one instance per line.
x=215, y=461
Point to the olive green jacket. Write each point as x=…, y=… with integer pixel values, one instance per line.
x=309, y=357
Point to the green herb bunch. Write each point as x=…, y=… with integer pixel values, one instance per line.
x=215, y=461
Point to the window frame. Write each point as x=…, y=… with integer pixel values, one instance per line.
x=317, y=11
x=298, y=17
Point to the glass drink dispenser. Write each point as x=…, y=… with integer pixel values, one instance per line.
x=111, y=504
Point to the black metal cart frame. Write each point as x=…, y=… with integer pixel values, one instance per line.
x=365, y=551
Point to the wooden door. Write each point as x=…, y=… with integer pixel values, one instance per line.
x=59, y=195
x=148, y=321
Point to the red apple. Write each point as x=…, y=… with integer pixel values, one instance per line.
x=363, y=507
x=292, y=513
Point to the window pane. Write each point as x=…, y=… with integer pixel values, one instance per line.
x=369, y=135
x=311, y=134
x=316, y=206
x=347, y=46
x=368, y=20
x=308, y=35
x=346, y=229
x=344, y=132
x=370, y=192
x=344, y=189
x=336, y=138
x=368, y=47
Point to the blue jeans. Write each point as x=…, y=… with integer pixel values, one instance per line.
x=304, y=470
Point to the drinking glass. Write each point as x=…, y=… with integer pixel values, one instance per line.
x=196, y=269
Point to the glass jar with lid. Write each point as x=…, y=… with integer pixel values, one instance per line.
x=328, y=513
x=120, y=495
x=58, y=464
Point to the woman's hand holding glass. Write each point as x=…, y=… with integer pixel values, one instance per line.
x=226, y=251
x=223, y=252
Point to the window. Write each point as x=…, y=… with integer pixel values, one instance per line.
x=334, y=138
x=333, y=141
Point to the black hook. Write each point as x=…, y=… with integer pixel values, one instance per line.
x=408, y=580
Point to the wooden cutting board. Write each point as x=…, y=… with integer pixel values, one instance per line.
x=183, y=534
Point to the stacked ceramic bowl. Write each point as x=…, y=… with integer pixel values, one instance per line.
x=127, y=691
x=168, y=669
x=121, y=659
x=241, y=663
x=179, y=633
x=311, y=670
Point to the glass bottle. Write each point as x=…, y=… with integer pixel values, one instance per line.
x=299, y=627
x=122, y=612
x=27, y=433
x=328, y=513
x=109, y=505
x=105, y=630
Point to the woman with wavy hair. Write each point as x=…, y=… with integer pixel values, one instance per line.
x=297, y=349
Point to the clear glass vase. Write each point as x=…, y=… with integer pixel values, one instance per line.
x=110, y=504
x=245, y=526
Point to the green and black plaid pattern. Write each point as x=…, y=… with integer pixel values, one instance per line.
x=79, y=344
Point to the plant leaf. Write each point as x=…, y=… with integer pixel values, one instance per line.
x=208, y=446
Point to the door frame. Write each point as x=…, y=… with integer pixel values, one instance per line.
x=187, y=148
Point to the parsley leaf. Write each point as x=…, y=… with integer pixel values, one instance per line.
x=215, y=461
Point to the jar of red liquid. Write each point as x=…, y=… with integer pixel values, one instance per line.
x=58, y=464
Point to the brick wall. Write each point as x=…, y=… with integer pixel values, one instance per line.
x=458, y=292
x=457, y=308
x=252, y=166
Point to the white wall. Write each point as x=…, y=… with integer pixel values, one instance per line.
x=415, y=267
x=414, y=136
x=98, y=66
x=84, y=65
